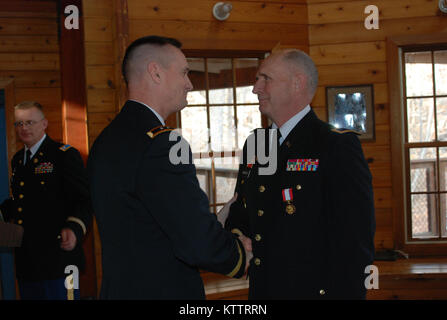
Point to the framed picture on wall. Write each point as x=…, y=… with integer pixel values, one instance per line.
x=352, y=107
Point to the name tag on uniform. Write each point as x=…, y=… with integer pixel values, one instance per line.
x=302, y=164
x=45, y=167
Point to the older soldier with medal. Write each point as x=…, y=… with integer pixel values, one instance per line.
x=311, y=221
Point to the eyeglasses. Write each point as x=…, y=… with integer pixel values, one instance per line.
x=28, y=123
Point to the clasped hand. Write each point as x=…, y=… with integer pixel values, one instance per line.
x=222, y=216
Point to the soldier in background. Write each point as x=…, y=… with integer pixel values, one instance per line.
x=50, y=200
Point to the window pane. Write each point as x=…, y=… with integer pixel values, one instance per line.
x=443, y=168
x=245, y=78
x=441, y=109
x=422, y=166
x=419, y=74
x=220, y=76
x=248, y=118
x=421, y=124
x=225, y=184
x=197, y=77
x=441, y=71
x=222, y=128
x=195, y=128
x=203, y=169
x=444, y=214
x=423, y=216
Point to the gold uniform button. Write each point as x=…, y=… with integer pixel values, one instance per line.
x=19, y=209
x=298, y=187
x=260, y=213
x=322, y=292
x=36, y=160
x=242, y=181
x=257, y=261
x=21, y=196
x=22, y=183
x=258, y=237
x=261, y=189
x=20, y=221
x=42, y=182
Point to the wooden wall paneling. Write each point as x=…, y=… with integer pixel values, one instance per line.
x=98, y=29
x=201, y=10
x=20, y=43
x=352, y=74
x=222, y=36
x=13, y=144
x=29, y=61
x=348, y=11
x=101, y=100
x=359, y=52
x=121, y=41
x=27, y=26
x=28, y=9
x=33, y=79
x=356, y=31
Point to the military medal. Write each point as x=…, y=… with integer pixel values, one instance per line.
x=287, y=196
x=302, y=164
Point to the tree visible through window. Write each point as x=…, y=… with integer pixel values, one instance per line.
x=221, y=113
x=425, y=95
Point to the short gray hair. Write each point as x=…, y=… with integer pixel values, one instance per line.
x=24, y=105
x=305, y=64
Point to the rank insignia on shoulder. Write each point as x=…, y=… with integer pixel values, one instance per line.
x=65, y=147
x=341, y=131
x=302, y=164
x=158, y=130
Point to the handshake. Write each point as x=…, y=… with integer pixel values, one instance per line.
x=222, y=216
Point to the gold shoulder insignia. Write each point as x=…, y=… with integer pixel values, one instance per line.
x=158, y=130
x=341, y=131
x=65, y=147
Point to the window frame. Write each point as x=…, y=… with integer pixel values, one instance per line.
x=399, y=163
x=213, y=173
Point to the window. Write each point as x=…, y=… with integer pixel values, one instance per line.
x=221, y=113
x=425, y=147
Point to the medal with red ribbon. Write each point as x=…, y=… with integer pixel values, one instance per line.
x=287, y=196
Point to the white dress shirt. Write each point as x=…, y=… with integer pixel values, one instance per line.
x=291, y=123
x=33, y=149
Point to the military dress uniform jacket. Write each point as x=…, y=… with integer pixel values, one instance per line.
x=49, y=193
x=312, y=222
x=154, y=221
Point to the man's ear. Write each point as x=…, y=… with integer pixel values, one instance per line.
x=154, y=71
x=299, y=81
x=45, y=123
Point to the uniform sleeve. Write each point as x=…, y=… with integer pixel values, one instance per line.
x=351, y=218
x=238, y=218
x=76, y=189
x=172, y=195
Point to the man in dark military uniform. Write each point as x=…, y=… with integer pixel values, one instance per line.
x=311, y=222
x=154, y=221
x=50, y=200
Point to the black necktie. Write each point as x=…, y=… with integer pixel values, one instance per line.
x=28, y=156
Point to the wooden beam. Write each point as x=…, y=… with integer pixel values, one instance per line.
x=74, y=115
